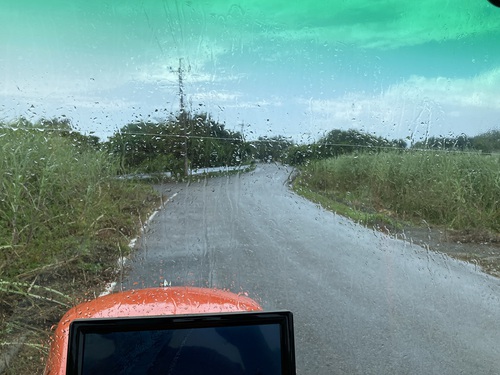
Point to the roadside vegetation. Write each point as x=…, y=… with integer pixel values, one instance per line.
x=177, y=145
x=64, y=220
x=456, y=190
x=59, y=199
x=61, y=195
x=443, y=191
x=67, y=213
x=450, y=182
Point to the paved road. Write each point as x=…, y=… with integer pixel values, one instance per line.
x=363, y=303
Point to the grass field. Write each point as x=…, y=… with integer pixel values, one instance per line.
x=64, y=220
x=456, y=190
x=60, y=200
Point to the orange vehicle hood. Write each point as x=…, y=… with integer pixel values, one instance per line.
x=144, y=302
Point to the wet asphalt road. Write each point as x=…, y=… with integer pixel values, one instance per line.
x=363, y=303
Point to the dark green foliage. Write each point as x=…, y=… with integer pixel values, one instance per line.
x=298, y=155
x=271, y=148
x=58, y=194
x=167, y=146
x=459, y=143
x=487, y=142
x=341, y=142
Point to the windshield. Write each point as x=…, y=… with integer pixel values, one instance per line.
x=338, y=159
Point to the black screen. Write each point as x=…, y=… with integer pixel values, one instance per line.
x=243, y=343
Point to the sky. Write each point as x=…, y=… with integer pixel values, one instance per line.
x=277, y=67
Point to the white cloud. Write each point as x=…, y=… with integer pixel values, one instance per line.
x=482, y=91
x=167, y=73
x=385, y=24
x=235, y=100
x=272, y=102
x=417, y=105
x=105, y=105
x=215, y=97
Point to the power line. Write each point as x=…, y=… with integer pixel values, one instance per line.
x=184, y=136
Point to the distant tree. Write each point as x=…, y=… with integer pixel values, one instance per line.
x=60, y=127
x=210, y=144
x=64, y=128
x=339, y=142
x=487, y=142
x=139, y=144
x=359, y=139
x=459, y=143
x=271, y=148
x=399, y=143
x=195, y=140
x=300, y=154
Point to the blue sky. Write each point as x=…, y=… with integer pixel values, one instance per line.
x=294, y=68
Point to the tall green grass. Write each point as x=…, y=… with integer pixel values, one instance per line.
x=459, y=190
x=56, y=198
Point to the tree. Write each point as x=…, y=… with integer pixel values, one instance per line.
x=487, y=142
x=339, y=142
x=459, y=143
x=193, y=139
x=271, y=148
x=139, y=144
x=60, y=127
x=64, y=128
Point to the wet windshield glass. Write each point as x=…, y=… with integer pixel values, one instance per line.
x=336, y=159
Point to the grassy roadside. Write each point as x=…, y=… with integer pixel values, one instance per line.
x=64, y=221
x=454, y=195
x=359, y=213
x=456, y=190
x=65, y=218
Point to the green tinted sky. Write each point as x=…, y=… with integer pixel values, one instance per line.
x=284, y=67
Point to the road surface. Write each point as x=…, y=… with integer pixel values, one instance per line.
x=363, y=303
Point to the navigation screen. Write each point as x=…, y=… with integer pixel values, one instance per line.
x=134, y=347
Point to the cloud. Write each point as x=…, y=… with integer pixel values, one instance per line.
x=193, y=72
x=254, y=104
x=215, y=96
x=377, y=24
x=233, y=99
x=104, y=105
x=480, y=91
x=416, y=105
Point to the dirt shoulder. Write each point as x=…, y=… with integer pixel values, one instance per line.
x=28, y=315
x=477, y=248
x=32, y=303
x=474, y=246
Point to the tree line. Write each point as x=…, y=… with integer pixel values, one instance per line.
x=182, y=142
x=196, y=140
x=339, y=142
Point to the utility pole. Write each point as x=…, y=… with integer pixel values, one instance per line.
x=183, y=117
x=180, y=71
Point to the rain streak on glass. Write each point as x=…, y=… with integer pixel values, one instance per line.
x=336, y=159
